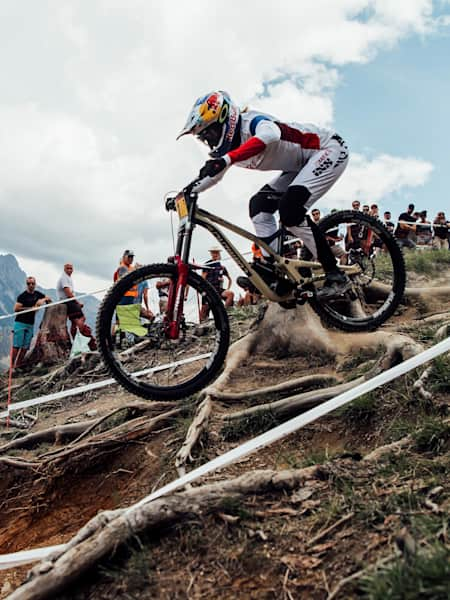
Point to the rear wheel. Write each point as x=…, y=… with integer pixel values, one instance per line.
x=136, y=348
x=377, y=275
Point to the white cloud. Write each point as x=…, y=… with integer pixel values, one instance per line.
x=372, y=180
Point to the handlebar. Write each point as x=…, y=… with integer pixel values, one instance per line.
x=188, y=194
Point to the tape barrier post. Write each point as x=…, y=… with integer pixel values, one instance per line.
x=269, y=437
x=11, y=352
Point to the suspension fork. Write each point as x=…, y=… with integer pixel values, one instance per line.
x=177, y=290
x=175, y=301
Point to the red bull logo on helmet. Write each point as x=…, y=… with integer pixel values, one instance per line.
x=210, y=107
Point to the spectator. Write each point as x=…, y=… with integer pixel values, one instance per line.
x=423, y=230
x=215, y=273
x=334, y=240
x=366, y=209
x=125, y=266
x=163, y=294
x=387, y=221
x=441, y=232
x=65, y=289
x=142, y=298
x=356, y=205
x=24, y=324
x=315, y=213
x=375, y=244
x=356, y=235
x=406, y=226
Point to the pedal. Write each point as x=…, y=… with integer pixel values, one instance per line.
x=303, y=296
x=306, y=295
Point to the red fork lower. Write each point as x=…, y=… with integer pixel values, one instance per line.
x=175, y=302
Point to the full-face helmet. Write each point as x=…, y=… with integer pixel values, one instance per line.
x=213, y=120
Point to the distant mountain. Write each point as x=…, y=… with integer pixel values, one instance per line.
x=12, y=283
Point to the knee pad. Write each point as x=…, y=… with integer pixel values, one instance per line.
x=292, y=205
x=263, y=201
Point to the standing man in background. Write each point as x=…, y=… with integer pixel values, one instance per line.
x=214, y=272
x=64, y=289
x=24, y=324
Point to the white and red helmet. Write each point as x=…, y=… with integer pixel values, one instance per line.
x=213, y=120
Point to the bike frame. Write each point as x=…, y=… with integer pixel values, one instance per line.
x=195, y=215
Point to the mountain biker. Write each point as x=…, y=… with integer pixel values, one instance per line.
x=310, y=159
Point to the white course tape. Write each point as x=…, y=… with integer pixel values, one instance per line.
x=98, y=384
x=36, y=308
x=26, y=556
x=273, y=435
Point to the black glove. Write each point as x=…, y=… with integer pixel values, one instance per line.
x=213, y=167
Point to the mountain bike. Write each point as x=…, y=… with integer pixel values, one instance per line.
x=177, y=355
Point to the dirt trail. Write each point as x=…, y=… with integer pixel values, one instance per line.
x=39, y=509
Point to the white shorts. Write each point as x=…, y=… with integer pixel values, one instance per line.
x=320, y=172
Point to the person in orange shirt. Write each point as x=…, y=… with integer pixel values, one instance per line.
x=125, y=266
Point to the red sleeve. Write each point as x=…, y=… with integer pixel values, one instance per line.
x=252, y=147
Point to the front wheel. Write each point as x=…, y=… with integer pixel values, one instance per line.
x=134, y=343
x=371, y=257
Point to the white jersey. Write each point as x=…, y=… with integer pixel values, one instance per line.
x=288, y=145
x=274, y=145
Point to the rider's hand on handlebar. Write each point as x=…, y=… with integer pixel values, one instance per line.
x=213, y=167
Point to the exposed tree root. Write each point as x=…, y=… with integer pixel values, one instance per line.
x=19, y=463
x=198, y=425
x=291, y=385
x=103, y=534
x=397, y=348
x=443, y=332
x=77, y=431
x=90, y=449
x=112, y=438
x=428, y=296
x=54, y=434
x=419, y=385
x=291, y=333
x=237, y=353
x=388, y=448
x=439, y=317
x=294, y=404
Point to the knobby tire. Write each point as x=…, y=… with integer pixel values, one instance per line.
x=145, y=390
x=371, y=322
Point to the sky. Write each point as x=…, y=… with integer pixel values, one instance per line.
x=94, y=93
